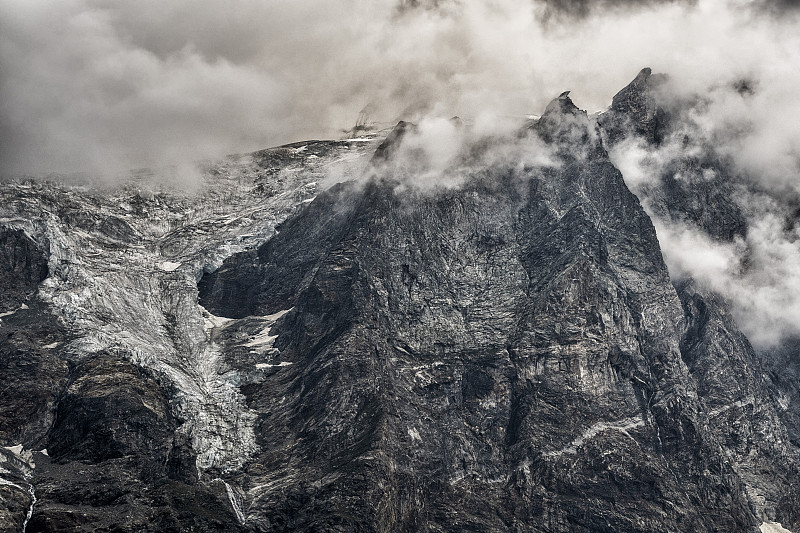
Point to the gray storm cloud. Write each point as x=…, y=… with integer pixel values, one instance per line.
x=102, y=86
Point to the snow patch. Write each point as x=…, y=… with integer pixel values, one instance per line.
x=773, y=527
x=414, y=434
x=16, y=450
x=262, y=339
x=26, y=456
x=51, y=345
x=267, y=365
x=212, y=321
x=275, y=316
x=169, y=266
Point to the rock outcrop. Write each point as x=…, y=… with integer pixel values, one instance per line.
x=689, y=182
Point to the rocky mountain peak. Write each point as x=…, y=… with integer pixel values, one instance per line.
x=566, y=127
x=562, y=105
x=693, y=187
x=636, y=107
x=515, y=340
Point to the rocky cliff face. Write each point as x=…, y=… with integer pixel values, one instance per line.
x=508, y=353
x=756, y=394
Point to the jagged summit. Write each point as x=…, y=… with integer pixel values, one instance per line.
x=567, y=128
x=641, y=78
x=694, y=188
x=635, y=107
x=562, y=105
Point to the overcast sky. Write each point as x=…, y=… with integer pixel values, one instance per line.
x=101, y=86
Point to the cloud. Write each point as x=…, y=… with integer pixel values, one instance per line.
x=586, y=8
x=438, y=153
x=103, y=86
x=758, y=275
x=743, y=144
x=77, y=94
x=775, y=7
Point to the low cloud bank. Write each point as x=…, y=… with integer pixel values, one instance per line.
x=102, y=86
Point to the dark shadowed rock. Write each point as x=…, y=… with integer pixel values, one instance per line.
x=741, y=402
x=23, y=265
x=110, y=410
x=34, y=375
x=114, y=452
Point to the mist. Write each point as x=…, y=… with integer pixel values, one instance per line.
x=101, y=86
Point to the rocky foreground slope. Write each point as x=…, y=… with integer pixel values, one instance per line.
x=507, y=353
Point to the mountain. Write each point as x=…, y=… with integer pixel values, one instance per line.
x=500, y=350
